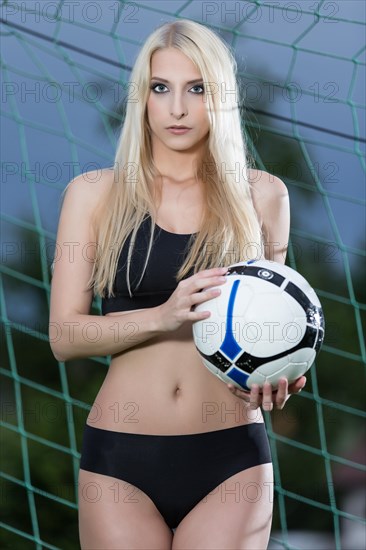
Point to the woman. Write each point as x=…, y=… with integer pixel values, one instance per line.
x=171, y=457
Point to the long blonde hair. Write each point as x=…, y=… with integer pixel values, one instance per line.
x=230, y=229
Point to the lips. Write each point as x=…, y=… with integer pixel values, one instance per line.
x=180, y=127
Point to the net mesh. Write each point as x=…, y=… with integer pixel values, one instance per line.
x=316, y=441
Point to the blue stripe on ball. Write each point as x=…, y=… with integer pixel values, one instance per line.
x=230, y=346
x=238, y=376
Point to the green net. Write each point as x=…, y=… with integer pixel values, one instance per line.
x=61, y=110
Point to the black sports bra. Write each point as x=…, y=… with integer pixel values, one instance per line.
x=158, y=283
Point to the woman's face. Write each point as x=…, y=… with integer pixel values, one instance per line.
x=175, y=100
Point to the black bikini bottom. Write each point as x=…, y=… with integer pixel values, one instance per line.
x=175, y=471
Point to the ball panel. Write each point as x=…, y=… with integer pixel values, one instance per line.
x=290, y=370
x=238, y=376
x=263, y=348
x=304, y=355
x=294, y=331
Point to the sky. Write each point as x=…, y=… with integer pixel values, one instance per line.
x=53, y=96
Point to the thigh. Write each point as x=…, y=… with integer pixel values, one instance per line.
x=236, y=514
x=114, y=514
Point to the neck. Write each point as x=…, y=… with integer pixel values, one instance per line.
x=172, y=163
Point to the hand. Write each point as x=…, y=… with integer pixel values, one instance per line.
x=267, y=397
x=178, y=308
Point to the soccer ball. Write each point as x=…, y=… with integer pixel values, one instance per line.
x=267, y=323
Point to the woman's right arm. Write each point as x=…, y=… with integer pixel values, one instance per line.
x=72, y=331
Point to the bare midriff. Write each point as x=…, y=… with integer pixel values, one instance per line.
x=162, y=387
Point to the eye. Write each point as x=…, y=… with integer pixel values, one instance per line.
x=153, y=86
x=199, y=86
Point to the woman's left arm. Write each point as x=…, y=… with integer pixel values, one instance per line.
x=273, y=207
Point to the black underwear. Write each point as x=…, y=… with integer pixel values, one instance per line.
x=175, y=471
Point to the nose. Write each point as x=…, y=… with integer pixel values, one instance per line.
x=178, y=106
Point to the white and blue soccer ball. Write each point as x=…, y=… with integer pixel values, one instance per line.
x=267, y=323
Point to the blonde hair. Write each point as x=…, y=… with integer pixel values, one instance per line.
x=230, y=225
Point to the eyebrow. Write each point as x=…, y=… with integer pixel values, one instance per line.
x=167, y=81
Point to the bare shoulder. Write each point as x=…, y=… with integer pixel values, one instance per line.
x=88, y=190
x=271, y=201
x=266, y=185
x=266, y=189
x=92, y=185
